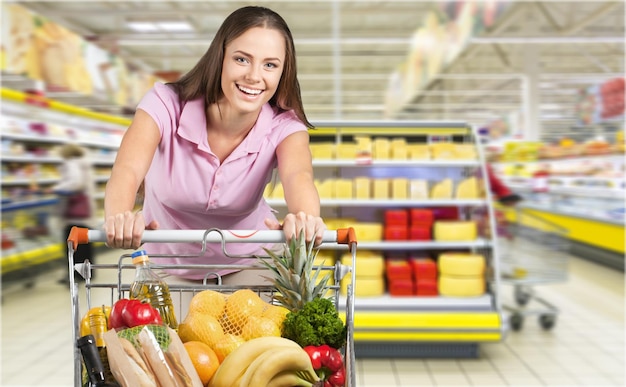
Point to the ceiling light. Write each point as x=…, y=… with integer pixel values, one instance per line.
x=175, y=26
x=142, y=26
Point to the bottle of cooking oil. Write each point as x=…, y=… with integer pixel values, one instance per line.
x=148, y=286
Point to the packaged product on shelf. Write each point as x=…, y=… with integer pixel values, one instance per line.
x=449, y=230
x=442, y=190
x=399, y=188
x=362, y=188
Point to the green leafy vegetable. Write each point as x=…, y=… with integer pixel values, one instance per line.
x=317, y=323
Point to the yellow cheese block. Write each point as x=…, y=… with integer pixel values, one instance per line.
x=461, y=286
x=381, y=149
x=399, y=188
x=418, y=189
x=368, y=231
x=323, y=150
x=366, y=265
x=442, y=151
x=399, y=150
x=346, y=150
x=442, y=190
x=467, y=189
x=450, y=230
x=365, y=287
x=343, y=189
x=381, y=188
x=461, y=264
x=325, y=189
x=363, y=145
x=337, y=223
x=418, y=151
x=362, y=188
x=267, y=193
x=465, y=151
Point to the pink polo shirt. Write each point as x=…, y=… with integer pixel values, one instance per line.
x=187, y=188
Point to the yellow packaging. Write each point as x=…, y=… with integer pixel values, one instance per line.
x=368, y=231
x=467, y=189
x=343, y=189
x=418, y=189
x=364, y=287
x=399, y=188
x=362, y=188
x=323, y=150
x=381, y=149
x=461, y=264
x=399, y=150
x=325, y=189
x=418, y=151
x=461, y=286
x=442, y=190
x=443, y=151
x=381, y=188
x=346, y=151
x=450, y=230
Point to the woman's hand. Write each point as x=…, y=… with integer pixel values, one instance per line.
x=125, y=230
x=294, y=223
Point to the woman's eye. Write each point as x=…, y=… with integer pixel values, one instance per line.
x=241, y=59
x=271, y=65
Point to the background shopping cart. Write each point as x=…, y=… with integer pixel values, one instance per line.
x=533, y=252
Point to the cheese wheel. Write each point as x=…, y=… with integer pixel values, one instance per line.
x=450, y=230
x=418, y=151
x=461, y=286
x=366, y=266
x=365, y=287
x=461, y=264
x=467, y=189
x=368, y=231
x=442, y=190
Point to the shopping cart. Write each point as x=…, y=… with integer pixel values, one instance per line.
x=533, y=251
x=110, y=291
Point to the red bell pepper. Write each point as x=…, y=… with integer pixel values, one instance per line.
x=328, y=364
x=131, y=313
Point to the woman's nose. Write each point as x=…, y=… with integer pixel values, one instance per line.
x=253, y=74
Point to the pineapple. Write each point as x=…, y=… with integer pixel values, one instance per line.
x=293, y=274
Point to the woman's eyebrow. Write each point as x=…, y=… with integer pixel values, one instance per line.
x=250, y=55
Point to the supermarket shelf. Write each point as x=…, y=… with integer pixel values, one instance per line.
x=12, y=261
x=48, y=180
x=390, y=202
x=411, y=304
x=617, y=220
x=36, y=138
x=600, y=192
x=607, y=157
x=31, y=159
x=26, y=204
x=414, y=245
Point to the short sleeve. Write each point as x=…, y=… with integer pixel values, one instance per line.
x=161, y=103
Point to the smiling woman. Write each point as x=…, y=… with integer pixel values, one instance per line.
x=206, y=146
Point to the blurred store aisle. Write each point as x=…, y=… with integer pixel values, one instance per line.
x=586, y=348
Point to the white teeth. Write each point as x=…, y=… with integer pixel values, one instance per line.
x=249, y=91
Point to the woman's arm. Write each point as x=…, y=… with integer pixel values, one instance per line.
x=124, y=228
x=295, y=170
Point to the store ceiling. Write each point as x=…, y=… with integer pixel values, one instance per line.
x=571, y=44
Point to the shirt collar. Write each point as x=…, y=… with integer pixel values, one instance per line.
x=192, y=126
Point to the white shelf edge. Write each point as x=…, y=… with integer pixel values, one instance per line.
x=394, y=163
x=31, y=159
x=607, y=157
x=390, y=202
x=412, y=245
x=28, y=181
x=418, y=304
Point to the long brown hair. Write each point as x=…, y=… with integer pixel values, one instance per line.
x=205, y=78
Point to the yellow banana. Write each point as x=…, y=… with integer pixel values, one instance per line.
x=262, y=370
x=288, y=379
x=236, y=364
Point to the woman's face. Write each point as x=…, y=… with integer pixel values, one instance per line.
x=253, y=65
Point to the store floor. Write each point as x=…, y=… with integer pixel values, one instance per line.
x=585, y=348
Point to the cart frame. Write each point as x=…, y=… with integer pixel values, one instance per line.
x=79, y=235
x=529, y=271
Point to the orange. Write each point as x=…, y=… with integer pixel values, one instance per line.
x=226, y=345
x=200, y=327
x=259, y=327
x=208, y=302
x=204, y=360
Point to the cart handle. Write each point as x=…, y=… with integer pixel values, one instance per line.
x=81, y=235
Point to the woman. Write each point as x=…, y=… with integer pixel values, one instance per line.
x=76, y=177
x=206, y=145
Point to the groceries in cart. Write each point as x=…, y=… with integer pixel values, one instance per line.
x=287, y=335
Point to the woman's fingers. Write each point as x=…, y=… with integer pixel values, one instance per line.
x=313, y=226
x=125, y=230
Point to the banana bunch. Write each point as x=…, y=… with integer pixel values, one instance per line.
x=266, y=361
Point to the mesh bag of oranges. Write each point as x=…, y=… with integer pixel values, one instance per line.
x=225, y=321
